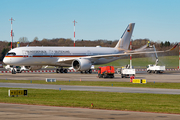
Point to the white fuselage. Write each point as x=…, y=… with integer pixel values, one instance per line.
x=27, y=56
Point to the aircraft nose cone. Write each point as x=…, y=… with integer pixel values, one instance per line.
x=6, y=60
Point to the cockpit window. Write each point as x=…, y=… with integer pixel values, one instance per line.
x=11, y=54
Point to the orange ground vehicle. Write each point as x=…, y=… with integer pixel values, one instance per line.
x=106, y=72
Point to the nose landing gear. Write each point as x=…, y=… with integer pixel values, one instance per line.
x=13, y=71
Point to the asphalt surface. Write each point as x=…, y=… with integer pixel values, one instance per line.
x=93, y=88
x=21, y=112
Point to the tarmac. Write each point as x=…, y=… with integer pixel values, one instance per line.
x=21, y=112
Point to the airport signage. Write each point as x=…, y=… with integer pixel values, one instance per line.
x=15, y=92
x=143, y=81
x=50, y=79
x=139, y=81
x=136, y=81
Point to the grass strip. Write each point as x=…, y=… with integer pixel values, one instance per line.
x=168, y=61
x=159, y=103
x=100, y=83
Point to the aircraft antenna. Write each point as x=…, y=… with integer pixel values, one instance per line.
x=12, y=34
x=74, y=31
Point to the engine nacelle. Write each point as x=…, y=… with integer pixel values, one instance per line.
x=81, y=64
x=36, y=67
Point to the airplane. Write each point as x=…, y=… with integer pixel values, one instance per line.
x=80, y=58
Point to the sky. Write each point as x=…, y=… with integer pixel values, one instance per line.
x=157, y=20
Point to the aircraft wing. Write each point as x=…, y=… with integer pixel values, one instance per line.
x=129, y=53
x=95, y=57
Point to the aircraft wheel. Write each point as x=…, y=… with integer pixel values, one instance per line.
x=57, y=70
x=81, y=72
x=13, y=71
x=86, y=71
x=61, y=70
x=65, y=71
x=90, y=71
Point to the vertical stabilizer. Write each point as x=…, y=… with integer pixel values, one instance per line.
x=125, y=38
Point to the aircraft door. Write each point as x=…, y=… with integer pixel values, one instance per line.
x=51, y=53
x=89, y=52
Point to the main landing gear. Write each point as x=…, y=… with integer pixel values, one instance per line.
x=61, y=70
x=13, y=71
x=87, y=71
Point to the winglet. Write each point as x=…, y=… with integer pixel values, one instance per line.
x=173, y=47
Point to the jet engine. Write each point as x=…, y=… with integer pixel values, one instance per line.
x=36, y=67
x=81, y=64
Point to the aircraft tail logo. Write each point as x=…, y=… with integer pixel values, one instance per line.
x=125, y=38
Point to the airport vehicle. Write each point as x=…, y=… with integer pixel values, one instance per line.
x=126, y=71
x=80, y=58
x=106, y=72
x=15, y=69
x=155, y=68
